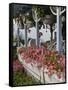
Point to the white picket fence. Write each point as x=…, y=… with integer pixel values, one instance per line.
x=39, y=74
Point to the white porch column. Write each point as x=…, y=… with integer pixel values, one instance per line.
x=25, y=27
x=18, y=37
x=37, y=30
x=59, y=31
x=18, y=41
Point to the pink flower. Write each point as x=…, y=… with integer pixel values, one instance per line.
x=59, y=70
x=43, y=57
x=34, y=61
x=17, y=65
x=61, y=59
x=40, y=58
x=21, y=50
x=51, y=67
x=49, y=53
x=49, y=73
x=59, y=76
x=48, y=62
x=58, y=61
x=28, y=60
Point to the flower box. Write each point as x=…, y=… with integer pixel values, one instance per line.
x=40, y=72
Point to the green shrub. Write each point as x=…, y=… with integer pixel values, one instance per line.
x=14, y=53
x=21, y=78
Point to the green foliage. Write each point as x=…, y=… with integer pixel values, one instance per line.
x=40, y=10
x=21, y=78
x=14, y=53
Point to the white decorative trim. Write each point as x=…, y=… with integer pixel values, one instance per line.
x=52, y=11
x=62, y=11
x=56, y=13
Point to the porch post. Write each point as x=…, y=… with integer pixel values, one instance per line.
x=37, y=30
x=18, y=42
x=25, y=27
x=59, y=31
